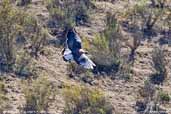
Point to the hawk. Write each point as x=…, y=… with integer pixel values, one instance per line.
x=73, y=51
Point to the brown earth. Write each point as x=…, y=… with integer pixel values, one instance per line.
x=123, y=95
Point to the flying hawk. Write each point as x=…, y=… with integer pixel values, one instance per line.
x=73, y=51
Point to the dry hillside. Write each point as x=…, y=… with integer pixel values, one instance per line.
x=141, y=84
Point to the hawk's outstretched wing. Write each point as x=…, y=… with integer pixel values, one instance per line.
x=67, y=55
x=85, y=62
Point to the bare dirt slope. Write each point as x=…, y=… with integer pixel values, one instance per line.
x=123, y=95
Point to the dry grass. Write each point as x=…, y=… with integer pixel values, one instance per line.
x=3, y=98
x=81, y=100
x=38, y=95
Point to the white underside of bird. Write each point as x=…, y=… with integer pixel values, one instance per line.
x=68, y=55
x=84, y=60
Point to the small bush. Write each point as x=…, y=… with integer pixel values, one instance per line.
x=23, y=2
x=86, y=43
x=144, y=17
x=14, y=23
x=69, y=13
x=38, y=95
x=79, y=73
x=101, y=52
x=10, y=22
x=159, y=60
x=36, y=34
x=164, y=97
x=81, y=100
x=106, y=46
x=159, y=65
x=74, y=69
x=150, y=107
x=151, y=102
x=24, y=65
x=125, y=71
x=3, y=98
x=159, y=3
x=148, y=90
x=136, y=44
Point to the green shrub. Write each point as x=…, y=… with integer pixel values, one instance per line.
x=164, y=97
x=69, y=13
x=16, y=23
x=148, y=90
x=79, y=73
x=151, y=101
x=35, y=33
x=81, y=100
x=101, y=51
x=144, y=17
x=3, y=98
x=159, y=60
x=106, y=46
x=24, y=64
x=10, y=22
x=125, y=71
x=159, y=65
x=74, y=69
x=38, y=95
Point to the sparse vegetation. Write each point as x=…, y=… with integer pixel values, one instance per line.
x=106, y=46
x=144, y=18
x=151, y=102
x=14, y=24
x=118, y=36
x=159, y=65
x=38, y=95
x=125, y=71
x=24, y=64
x=35, y=33
x=148, y=90
x=77, y=72
x=69, y=13
x=3, y=98
x=159, y=3
x=164, y=97
x=136, y=44
x=11, y=23
x=24, y=2
x=81, y=100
